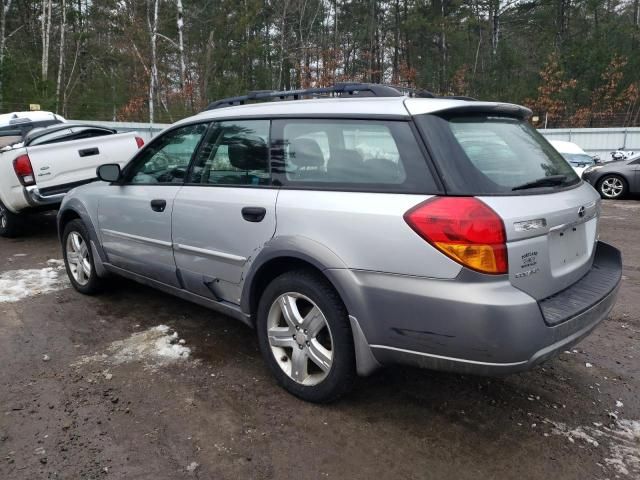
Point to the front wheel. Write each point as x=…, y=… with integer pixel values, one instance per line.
x=78, y=258
x=612, y=187
x=305, y=336
x=10, y=224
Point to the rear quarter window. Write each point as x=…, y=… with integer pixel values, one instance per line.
x=359, y=155
x=487, y=155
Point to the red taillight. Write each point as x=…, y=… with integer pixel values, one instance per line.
x=463, y=228
x=140, y=142
x=24, y=170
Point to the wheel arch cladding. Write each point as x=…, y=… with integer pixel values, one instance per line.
x=75, y=210
x=284, y=254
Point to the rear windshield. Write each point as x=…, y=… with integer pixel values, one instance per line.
x=494, y=155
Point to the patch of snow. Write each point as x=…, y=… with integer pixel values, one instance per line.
x=156, y=346
x=192, y=467
x=16, y=285
x=621, y=438
x=619, y=404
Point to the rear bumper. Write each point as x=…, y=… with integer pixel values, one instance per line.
x=475, y=323
x=37, y=199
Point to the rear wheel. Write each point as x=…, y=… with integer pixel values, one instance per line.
x=10, y=223
x=612, y=187
x=305, y=337
x=78, y=258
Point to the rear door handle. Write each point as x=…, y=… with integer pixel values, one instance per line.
x=158, y=205
x=88, y=152
x=254, y=214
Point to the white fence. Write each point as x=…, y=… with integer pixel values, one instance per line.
x=598, y=141
x=595, y=141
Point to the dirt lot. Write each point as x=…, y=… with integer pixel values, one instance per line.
x=90, y=388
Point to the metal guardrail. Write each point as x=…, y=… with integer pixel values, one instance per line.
x=595, y=141
x=147, y=131
x=598, y=141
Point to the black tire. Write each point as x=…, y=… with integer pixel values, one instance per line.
x=607, y=190
x=10, y=223
x=341, y=375
x=94, y=284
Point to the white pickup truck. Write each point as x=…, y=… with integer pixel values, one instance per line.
x=38, y=168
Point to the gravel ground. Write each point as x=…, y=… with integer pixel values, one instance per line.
x=135, y=384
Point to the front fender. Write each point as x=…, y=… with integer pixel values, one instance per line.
x=75, y=206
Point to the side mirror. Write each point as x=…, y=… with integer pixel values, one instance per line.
x=109, y=172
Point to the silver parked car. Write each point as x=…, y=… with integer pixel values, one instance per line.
x=359, y=230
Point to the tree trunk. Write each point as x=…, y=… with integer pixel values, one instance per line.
x=183, y=68
x=153, y=80
x=495, y=26
x=283, y=29
x=46, y=37
x=63, y=27
x=4, y=10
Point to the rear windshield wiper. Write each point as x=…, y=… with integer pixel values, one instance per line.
x=550, y=181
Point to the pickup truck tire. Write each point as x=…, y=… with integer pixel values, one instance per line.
x=78, y=259
x=10, y=223
x=305, y=336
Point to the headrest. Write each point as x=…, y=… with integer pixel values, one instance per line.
x=305, y=152
x=249, y=153
x=383, y=169
x=346, y=157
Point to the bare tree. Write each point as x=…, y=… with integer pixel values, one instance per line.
x=46, y=36
x=4, y=11
x=63, y=28
x=153, y=37
x=283, y=32
x=180, y=23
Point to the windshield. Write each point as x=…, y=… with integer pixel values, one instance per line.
x=579, y=159
x=494, y=155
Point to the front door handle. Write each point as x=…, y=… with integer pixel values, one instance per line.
x=158, y=205
x=253, y=214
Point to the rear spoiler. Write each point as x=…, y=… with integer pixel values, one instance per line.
x=445, y=106
x=507, y=109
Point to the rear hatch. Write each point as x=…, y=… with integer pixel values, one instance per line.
x=550, y=216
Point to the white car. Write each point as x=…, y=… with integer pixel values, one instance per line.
x=38, y=168
x=576, y=156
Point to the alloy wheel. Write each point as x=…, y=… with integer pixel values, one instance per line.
x=300, y=338
x=612, y=187
x=78, y=258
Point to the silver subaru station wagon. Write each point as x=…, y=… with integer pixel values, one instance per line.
x=360, y=228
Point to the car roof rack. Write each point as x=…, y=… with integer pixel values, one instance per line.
x=344, y=89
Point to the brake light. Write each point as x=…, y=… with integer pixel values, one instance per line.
x=24, y=170
x=465, y=229
x=140, y=142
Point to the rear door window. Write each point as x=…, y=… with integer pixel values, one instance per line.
x=349, y=155
x=486, y=155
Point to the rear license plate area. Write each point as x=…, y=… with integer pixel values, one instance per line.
x=568, y=247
